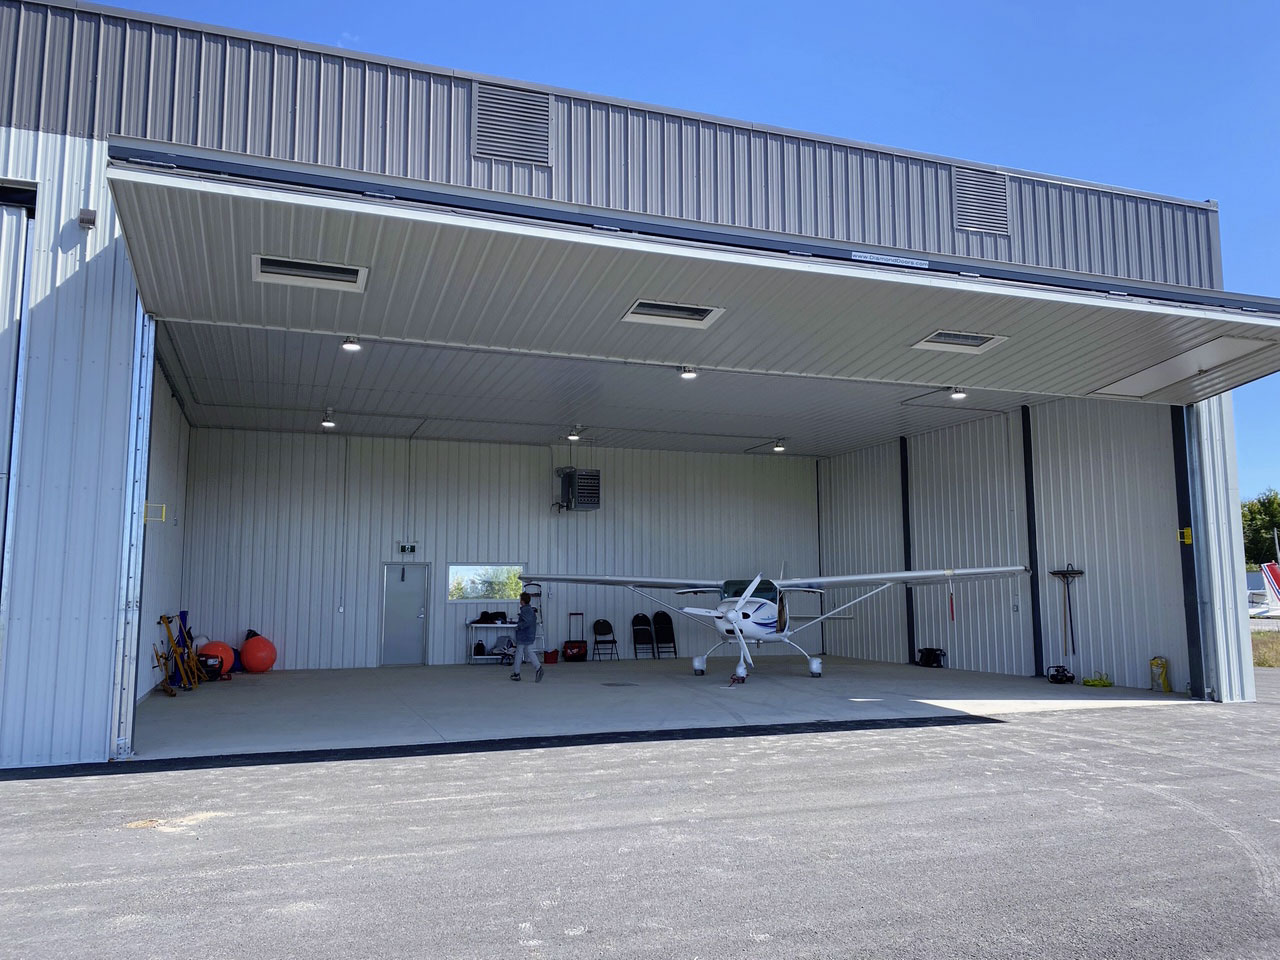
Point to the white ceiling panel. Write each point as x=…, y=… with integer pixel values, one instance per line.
x=449, y=279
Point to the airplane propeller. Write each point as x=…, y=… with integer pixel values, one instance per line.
x=736, y=618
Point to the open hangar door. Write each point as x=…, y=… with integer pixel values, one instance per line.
x=490, y=334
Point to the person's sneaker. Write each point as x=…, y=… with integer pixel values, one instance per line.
x=515, y=676
x=537, y=675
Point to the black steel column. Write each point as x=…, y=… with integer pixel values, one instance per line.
x=1186, y=550
x=1033, y=543
x=906, y=548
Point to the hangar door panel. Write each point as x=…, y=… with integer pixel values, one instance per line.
x=14, y=229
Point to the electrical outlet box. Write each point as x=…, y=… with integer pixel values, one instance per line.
x=407, y=546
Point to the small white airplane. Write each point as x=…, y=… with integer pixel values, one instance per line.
x=1264, y=604
x=756, y=610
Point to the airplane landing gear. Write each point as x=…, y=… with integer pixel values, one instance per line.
x=699, y=666
x=735, y=678
x=815, y=666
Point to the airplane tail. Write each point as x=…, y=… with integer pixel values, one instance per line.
x=1265, y=603
x=1271, y=577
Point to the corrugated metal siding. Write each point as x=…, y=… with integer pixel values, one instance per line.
x=94, y=74
x=68, y=523
x=967, y=510
x=862, y=533
x=1219, y=545
x=286, y=529
x=162, y=553
x=1106, y=502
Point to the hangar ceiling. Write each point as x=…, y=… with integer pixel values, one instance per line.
x=480, y=326
x=259, y=379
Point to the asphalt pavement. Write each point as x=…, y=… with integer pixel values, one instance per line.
x=1131, y=832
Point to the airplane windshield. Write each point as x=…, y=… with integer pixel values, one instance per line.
x=765, y=590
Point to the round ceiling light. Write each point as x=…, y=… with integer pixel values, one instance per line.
x=778, y=447
x=575, y=433
x=351, y=345
x=957, y=393
x=688, y=373
x=328, y=422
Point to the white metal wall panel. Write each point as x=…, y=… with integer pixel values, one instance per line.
x=97, y=74
x=288, y=532
x=68, y=522
x=266, y=547
x=862, y=533
x=1106, y=502
x=162, y=549
x=1215, y=497
x=966, y=488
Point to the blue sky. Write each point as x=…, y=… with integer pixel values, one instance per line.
x=1172, y=97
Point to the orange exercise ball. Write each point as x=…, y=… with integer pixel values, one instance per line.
x=222, y=651
x=257, y=654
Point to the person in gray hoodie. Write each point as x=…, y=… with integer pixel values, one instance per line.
x=526, y=633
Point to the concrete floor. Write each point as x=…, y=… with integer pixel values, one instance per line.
x=1125, y=834
x=328, y=709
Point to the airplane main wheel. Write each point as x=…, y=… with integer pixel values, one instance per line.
x=698, y=673
x=812, y=674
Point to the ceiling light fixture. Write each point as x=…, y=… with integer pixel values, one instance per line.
x=957, y=393
x=688, y=373
x=777, y=446
x=328, y=422
x=351, y=345
x=575, y=433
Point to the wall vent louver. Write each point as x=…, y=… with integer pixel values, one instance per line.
x=672, y=314
x=309, y=273
x=981, y=200
x=511, y=124
x=959, y=341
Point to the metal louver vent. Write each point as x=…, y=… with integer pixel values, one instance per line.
x=981, y=200
x=511, y=124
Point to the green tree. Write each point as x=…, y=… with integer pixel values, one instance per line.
x=1261, y=516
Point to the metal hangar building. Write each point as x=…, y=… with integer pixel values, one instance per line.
x=194, y=220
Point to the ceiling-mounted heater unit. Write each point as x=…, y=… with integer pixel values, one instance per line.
x=579, y=489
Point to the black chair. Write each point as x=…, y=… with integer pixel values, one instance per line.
x=664, y=633
x=602, y=636
x=642, y=635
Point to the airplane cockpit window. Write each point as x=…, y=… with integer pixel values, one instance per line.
x=765, y=590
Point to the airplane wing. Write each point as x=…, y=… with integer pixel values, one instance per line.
x=909, y=577
x=651, y=583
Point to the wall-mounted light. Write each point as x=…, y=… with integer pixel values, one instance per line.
x=351, y=345
x=328, y=422
x=688, y=373
x=778, y=446
x=957, y=393
x=575, y=433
